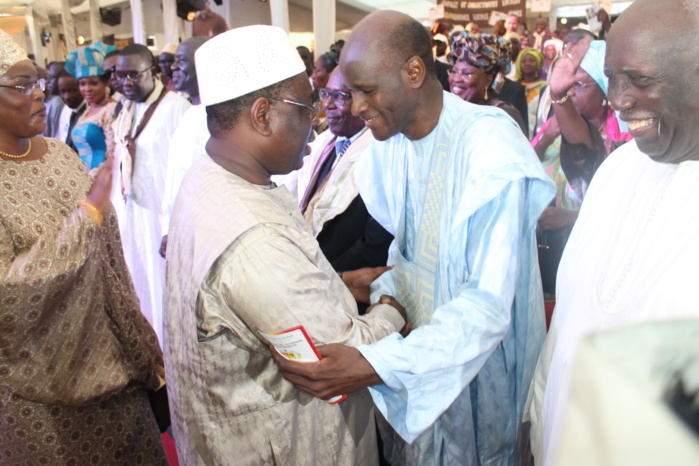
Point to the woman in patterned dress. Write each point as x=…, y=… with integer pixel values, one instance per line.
x=76, y=355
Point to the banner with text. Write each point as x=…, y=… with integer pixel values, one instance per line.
x=479, y=11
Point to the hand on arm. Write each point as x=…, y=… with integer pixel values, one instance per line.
x=342, y=370
x=391, y=301
x=358, y=281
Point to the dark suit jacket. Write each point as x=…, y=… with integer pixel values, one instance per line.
x=353, y=239
x=516, y=94
x=442, y=71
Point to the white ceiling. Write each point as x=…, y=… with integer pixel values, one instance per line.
x=418, y=9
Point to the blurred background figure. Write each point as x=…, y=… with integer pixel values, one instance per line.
x=92, y=134
x=499, y=28
x=324, y=65
x=528, y=66
x=540, y=34
x=75, y=105
x=572, y=145
x=307, y=57
x=207, y=23
x=165, y=60
x=551, y=49
x=477, y=61
x=473, y=28
x=512, y=27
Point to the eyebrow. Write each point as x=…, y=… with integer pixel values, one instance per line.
x=20, y=76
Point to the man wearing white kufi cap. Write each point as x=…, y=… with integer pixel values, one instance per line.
x=240, y=258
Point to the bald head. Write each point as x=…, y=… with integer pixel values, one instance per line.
x=387, y=64
x=652, y=80
x=651, y=21
x=184, y=73
x=393, y=37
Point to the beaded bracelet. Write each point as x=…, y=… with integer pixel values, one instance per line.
x=92, y=211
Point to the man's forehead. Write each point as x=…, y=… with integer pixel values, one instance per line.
x=67, y=81
x=184, y=50
x=336, y=81
x=131, y=62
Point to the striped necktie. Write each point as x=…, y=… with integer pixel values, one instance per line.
x=341, y=146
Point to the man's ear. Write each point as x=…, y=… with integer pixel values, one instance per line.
x=260, y=116
x=415, y=72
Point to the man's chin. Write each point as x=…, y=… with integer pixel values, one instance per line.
x=381, y=134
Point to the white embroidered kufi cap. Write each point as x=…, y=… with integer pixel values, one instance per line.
x=10, y=53
x=244, y=60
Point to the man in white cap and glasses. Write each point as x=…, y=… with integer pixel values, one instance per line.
x=240, y=258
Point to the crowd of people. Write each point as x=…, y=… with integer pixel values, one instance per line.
x=411, y=198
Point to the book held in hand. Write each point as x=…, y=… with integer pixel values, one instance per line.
x=295, y=344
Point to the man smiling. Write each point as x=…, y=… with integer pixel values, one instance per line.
x=348, y=236
x=459, y=187
x=142, y=134
x=632, y=255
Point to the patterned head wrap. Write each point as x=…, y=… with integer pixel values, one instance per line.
x=10, y=53
x=487, y=52
x=534, y=53
x=88, y=60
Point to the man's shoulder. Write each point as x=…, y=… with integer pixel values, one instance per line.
x=173, y=100
x=621, y=165
x=208, y=187
x=466, y=117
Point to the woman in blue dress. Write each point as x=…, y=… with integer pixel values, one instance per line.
x=93, y=135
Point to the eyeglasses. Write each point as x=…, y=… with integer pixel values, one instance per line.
x=134, y=76
x=28, y=89
x=108, y=73
x=580, y=85
x=339, y=98
x=314, y=109
x=463, y=74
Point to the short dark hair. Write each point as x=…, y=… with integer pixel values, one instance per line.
x=410, y=39
x=112, y=53
x=222, y=117
x=330, y=60
x=138, y=49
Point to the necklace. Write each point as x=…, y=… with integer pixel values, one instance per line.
x=18, y=156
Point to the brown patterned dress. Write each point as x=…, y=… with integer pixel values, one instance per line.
x=76, y=354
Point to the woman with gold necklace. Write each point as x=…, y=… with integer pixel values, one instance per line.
x=76, y=354
x=92, y=135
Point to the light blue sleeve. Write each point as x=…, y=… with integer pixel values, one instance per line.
x=425, y=372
